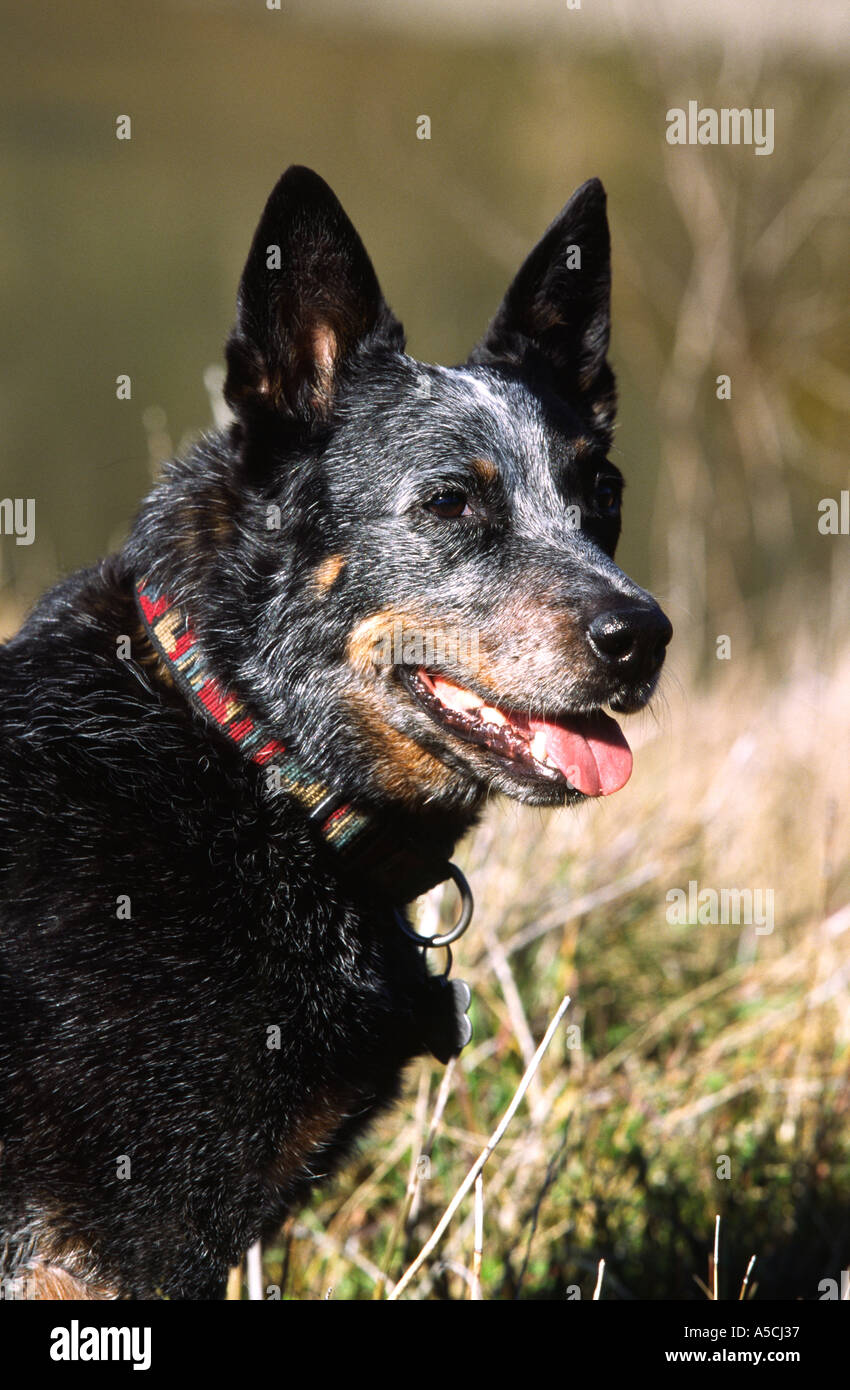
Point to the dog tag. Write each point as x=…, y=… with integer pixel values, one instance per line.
x=447, y=1028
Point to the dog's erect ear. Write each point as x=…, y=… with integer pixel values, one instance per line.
x=558, y=309
x=307, y=299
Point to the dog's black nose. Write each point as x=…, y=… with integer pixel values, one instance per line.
x=632, y=640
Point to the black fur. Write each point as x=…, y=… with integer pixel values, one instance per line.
x=322, y=510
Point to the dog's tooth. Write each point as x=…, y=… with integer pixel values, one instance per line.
x=538, y=747
x=469, y=700
x=455, y=696
x=490, y=715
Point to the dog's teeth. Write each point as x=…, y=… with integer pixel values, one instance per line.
x=538, y=747
x=491, y=715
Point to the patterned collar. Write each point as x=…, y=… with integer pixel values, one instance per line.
x=356, y=833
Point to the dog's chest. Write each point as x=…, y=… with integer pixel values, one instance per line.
x=331, y=1038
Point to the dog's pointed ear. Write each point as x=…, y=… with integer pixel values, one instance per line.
x=308, y=299
x=558, y=310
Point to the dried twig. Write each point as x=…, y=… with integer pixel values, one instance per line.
x=742, y=1295
x=478, y=1165
x=254, y=1270
x=478, y=1244
x=715, y=1263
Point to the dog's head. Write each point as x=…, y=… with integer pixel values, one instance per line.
x=413, y=571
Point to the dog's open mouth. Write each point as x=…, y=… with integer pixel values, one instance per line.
x=587, y=751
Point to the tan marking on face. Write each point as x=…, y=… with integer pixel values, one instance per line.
x=366, y=641
x=406, y=771
x=327, y=573
x=486, y=470
x=582, y=446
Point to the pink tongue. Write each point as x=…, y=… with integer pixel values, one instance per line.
x=590, y=751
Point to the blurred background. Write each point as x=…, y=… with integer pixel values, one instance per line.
x=122, y=256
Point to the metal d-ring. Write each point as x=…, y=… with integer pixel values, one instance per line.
x=460, y=926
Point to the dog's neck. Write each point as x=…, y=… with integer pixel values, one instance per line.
x=364, y=842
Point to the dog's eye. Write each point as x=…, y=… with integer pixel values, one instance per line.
x=449, y=505
x=607, y=495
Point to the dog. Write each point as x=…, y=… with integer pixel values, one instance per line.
x=229, y=764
